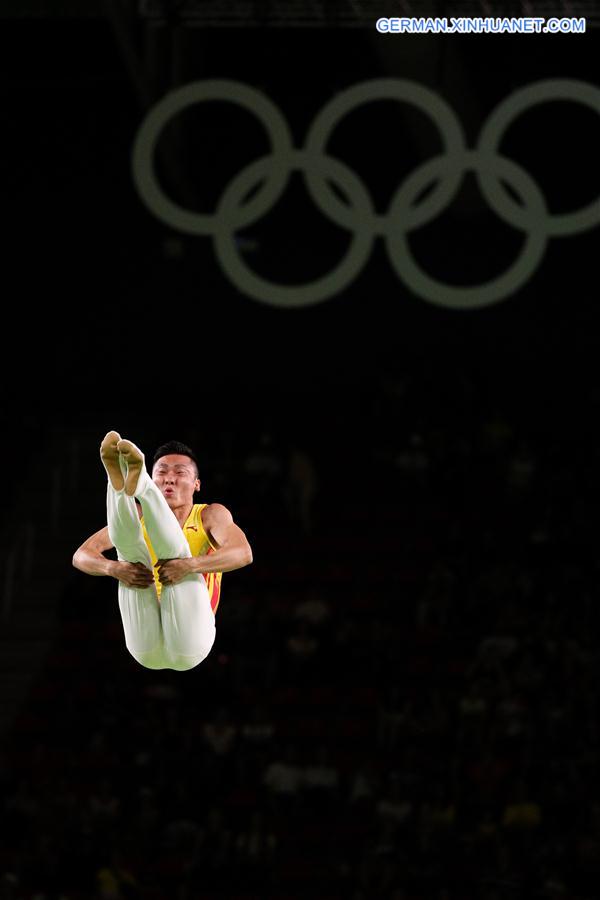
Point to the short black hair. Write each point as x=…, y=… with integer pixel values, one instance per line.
x=176, y=447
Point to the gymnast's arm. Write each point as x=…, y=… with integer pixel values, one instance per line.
x=90, y=559
x=232, y=550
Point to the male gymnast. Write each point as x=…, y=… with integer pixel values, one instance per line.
x=171, y=553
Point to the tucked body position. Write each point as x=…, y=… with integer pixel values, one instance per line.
x=171, y=553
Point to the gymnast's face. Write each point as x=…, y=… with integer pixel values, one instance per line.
x=175, y=475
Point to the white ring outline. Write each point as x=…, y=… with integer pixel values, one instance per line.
x=293, y=296
x=466, y=296
x=176, y=101
x=556, y=224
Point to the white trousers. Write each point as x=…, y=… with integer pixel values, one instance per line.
x=178, y=632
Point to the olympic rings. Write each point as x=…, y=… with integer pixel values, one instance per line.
x=271, y=174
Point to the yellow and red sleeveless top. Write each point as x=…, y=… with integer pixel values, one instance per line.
x=200, y=545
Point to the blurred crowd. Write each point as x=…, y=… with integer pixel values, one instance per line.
x=402, y=700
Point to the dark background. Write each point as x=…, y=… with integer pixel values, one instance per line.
x=85, y=247
x=425, y=477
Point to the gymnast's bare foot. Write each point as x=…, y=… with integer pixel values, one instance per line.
x=109, y=455
x=134, y=458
